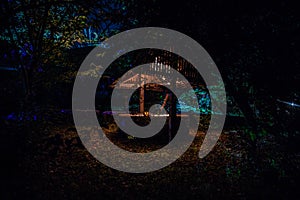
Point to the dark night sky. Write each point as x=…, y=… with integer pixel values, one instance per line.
x=260, y=38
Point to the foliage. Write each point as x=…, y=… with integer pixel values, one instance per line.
x=38, y=32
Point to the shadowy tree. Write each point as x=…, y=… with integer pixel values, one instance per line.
x=38, y=32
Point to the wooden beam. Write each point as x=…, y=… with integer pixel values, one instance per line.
x=142, y=98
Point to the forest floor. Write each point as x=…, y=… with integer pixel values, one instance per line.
x=46, y=160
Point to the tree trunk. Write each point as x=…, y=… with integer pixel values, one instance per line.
x=27, y=85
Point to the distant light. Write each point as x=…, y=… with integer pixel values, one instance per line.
x=8, y=68
x=289, y=103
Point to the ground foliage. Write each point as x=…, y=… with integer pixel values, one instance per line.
x=49, y=161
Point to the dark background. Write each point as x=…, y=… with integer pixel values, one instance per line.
x=251, y=42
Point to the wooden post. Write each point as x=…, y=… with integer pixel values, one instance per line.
x=170, y=117
x=142, y=98
x=172, y=111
